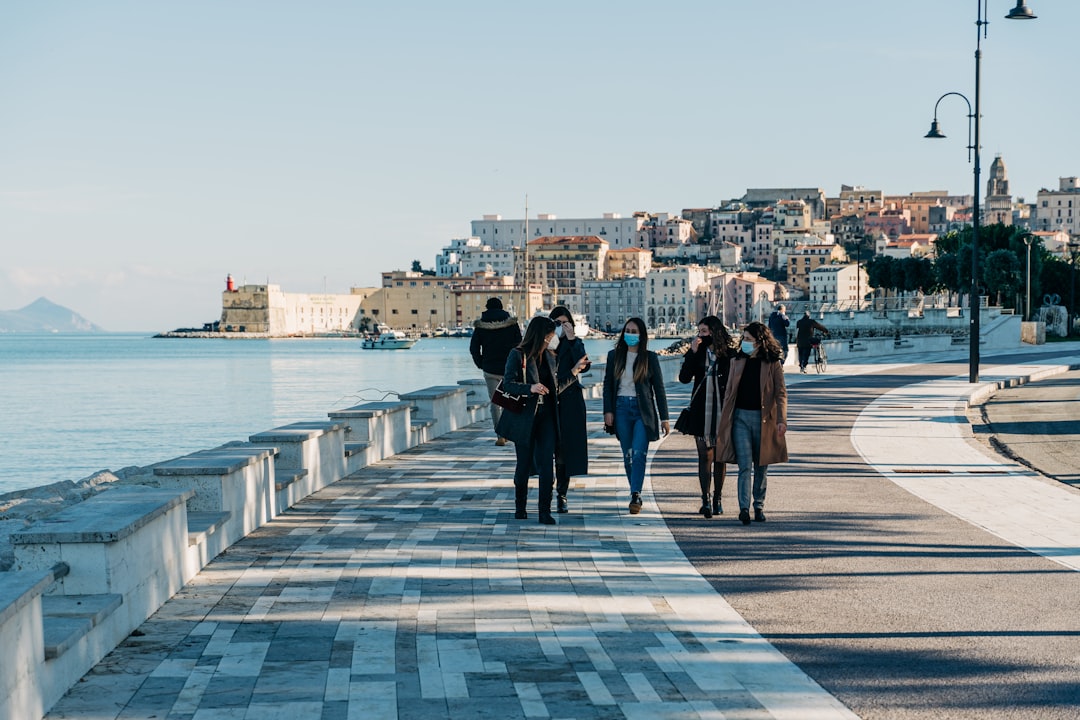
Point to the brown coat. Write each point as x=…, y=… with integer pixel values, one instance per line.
x=773, y=412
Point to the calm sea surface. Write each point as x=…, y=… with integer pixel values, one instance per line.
x=71, y=405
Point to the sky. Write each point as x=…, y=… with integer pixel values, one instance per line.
x=148, y=149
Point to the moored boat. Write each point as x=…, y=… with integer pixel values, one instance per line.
x=387, y=339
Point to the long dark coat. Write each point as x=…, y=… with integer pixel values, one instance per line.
x=652, y=398
x=695, y=367
x=773, y=412
x=573, y=449
x=517, y=427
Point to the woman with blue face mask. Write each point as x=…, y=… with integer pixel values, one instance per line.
x=635, y=403
x=753, y=422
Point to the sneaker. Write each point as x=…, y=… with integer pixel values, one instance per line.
x=635, y=503
x=500, y=441
x=759, y=515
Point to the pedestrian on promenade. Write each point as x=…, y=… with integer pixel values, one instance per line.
x=635, y=402
x=494, y=335
x=572, y=455
x=753, y=420
x=804, y=337
x=778, y=326
x=706, y=363
x=531, y=369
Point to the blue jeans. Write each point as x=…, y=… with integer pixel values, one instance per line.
x=746, y=437
x=630, y=429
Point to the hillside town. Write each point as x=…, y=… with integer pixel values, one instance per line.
x=858, y=250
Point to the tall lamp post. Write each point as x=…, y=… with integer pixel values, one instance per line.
x=1020, y=12
x=1028, y=237
x=1074, y=253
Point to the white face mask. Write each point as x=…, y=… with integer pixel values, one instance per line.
x=553, y=342
x=747, y=347
x=560, y=331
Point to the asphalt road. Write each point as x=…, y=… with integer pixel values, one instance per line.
x=895, y=606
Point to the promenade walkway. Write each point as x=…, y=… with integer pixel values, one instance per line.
x=409, y=591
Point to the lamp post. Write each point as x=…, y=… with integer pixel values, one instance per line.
x=1074, y=253
x=1020, y=12
x=1027, y=302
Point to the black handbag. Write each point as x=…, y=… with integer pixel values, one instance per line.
x=686, y=423
x=507, y=401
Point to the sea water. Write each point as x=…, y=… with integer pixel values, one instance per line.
x=72, y=405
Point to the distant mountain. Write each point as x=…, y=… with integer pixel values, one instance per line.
x=45, y=316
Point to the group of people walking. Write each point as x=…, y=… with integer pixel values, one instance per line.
x=737, y=412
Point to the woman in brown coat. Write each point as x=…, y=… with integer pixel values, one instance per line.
x=753, y=421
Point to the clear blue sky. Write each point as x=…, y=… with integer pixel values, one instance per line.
x=147, y=149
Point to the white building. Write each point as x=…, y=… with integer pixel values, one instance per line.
x=448, y=261
x=1059, y=209
x=837, y=284
x=619, y=232
x=675, y=297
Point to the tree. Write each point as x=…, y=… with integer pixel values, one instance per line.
x=1001, y=274
x=879, y=272
x=416, y=267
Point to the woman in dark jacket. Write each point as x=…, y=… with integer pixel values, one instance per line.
x=572, y=454
x=635, y=402
x=531, y=370
x=706, y=363
x=753, y=421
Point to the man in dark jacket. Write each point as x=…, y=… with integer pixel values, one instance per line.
x=778, y=326
x=804, y=337
x=495, y=334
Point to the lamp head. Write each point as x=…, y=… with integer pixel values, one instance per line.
x=935, y=131
x=1021, y=12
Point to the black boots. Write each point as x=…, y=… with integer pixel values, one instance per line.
x=545, y=505
x=706, y=508
x=560, y=504
x=521, y=499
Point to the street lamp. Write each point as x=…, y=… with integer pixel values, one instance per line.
x=1074, y=253
x=1028, y=237
x=1020, y=12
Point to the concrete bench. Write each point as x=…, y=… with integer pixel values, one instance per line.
x=238, y=480
x=310, y=456
x=84, y=579
x=441, y=409
x=385, y=427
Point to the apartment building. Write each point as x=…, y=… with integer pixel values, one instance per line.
x=619, y=232
x=675, y=297
x=806, y=257
x=1059, y=209
x=628, y=262
x=561, y=263
x=857, y=200
x=744, y=297
x=837, y=284
x=608, y=303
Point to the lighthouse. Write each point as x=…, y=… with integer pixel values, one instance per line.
x=230, y=284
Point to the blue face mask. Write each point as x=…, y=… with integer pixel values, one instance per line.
x=747, y=347
x=632, y=340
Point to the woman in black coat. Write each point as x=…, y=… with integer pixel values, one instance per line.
x=706, y=363
x=531, y=370
x=572, y=454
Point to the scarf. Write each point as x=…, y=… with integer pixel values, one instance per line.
x=710, y=398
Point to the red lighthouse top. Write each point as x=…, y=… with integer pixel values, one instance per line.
x=230, y=284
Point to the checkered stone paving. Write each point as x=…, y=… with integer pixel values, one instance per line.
x=408, y=590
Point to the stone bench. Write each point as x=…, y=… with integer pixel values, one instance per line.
x=237, y=479
x=376, y=430
x=83, y=580
x=310, y=456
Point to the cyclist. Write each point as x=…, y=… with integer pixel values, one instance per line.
x=804, y=337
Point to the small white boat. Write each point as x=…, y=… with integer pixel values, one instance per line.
x=387, y=339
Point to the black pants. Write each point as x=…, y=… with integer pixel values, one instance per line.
x=538, y=455
x=804, y=355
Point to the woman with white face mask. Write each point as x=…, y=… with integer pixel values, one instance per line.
x=635, y=402
x=753, y=422
x=572, y=453
x=531, y=370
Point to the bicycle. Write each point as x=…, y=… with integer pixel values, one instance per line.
x=818, y=355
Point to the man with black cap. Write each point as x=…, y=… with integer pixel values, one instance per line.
x=495, y=334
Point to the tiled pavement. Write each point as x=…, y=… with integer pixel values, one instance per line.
x=409, y=591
